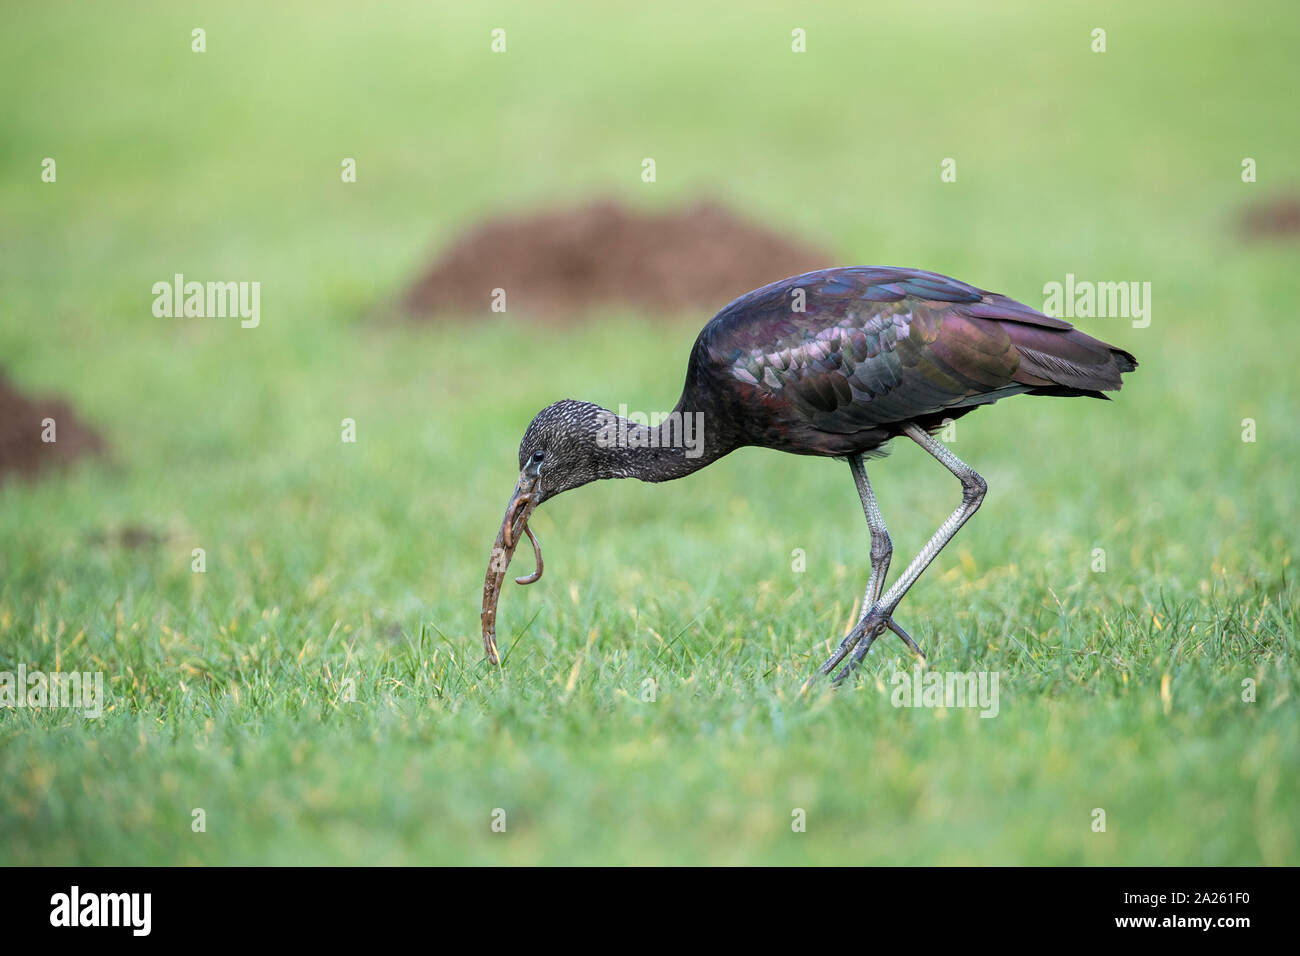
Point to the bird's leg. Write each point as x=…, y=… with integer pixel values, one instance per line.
x=882, y=549
x=881, y=614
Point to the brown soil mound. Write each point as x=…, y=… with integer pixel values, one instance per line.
x=1276, y=218
x=570, y=261
x=22, y=452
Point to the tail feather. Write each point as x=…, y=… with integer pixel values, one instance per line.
x=1067, y=361
x=1055, y=357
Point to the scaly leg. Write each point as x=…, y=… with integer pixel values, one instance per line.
x=882, y=549
x=880, y=616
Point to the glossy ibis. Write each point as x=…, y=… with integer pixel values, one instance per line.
x=833, y=363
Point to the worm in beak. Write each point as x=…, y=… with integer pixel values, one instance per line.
x=515, y=523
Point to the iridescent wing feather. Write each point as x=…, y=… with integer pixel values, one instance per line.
x=856, y=349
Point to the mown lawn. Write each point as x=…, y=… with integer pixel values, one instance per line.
x=338, y=571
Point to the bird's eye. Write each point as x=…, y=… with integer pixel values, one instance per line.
x=538, y=456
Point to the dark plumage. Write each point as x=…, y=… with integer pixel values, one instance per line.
x=876, y=347
x=832, y=363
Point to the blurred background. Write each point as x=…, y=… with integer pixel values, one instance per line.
x=329, y=561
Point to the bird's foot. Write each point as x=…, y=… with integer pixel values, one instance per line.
x=861, y=638
x=859, y=641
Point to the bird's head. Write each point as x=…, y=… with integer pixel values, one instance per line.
x=560, y=451
x=560, y=448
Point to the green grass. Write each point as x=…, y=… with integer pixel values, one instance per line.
x=329, y=562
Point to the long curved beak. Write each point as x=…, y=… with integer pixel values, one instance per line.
x=515, y=523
